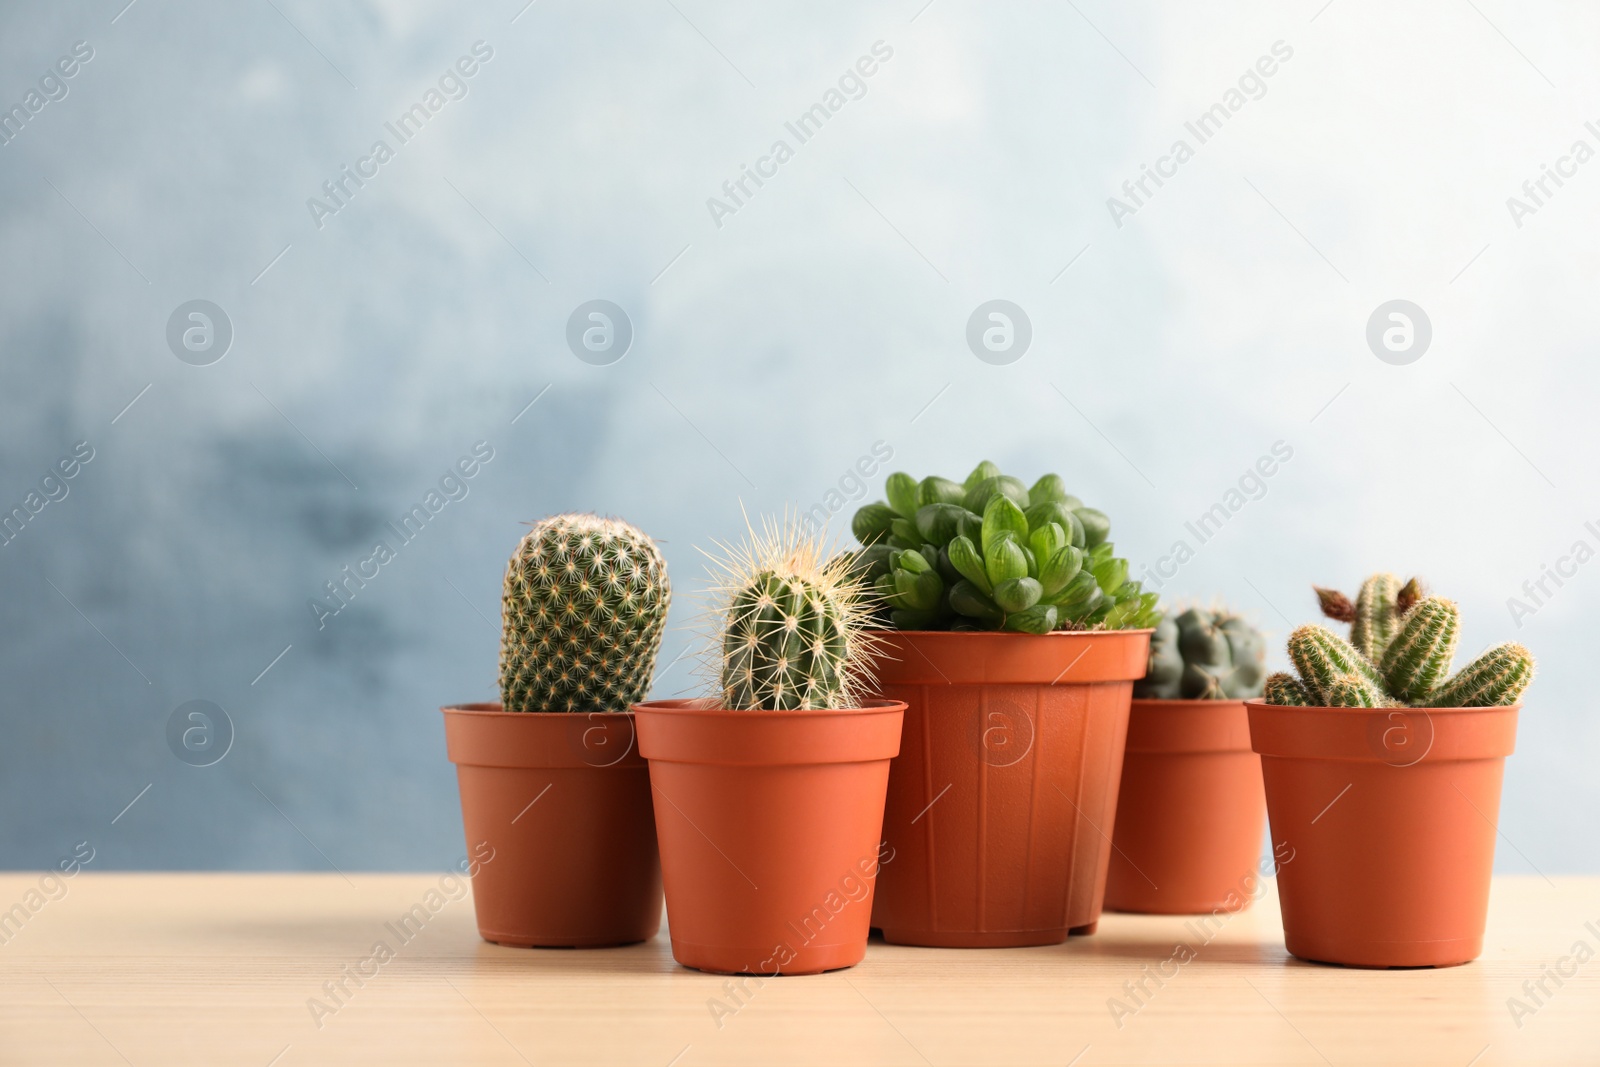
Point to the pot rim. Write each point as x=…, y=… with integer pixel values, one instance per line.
x=705, y=706
x=494, y=710
x=1197, y=704
x=1260, y=702
x=1008, y=634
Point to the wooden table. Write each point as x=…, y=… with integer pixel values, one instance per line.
x=229, y=969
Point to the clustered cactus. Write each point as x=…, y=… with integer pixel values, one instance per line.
x=1204, y=655
x=583, y=608
x=790, y=625
x=1401, y=646
x=993, y=554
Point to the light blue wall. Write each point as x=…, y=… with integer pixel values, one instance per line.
x=771, y=352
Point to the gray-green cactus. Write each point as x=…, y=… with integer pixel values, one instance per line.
x=583, y=607
x=1403, y=642
x=790, y=628
x=1204, y=655
x=991, y=553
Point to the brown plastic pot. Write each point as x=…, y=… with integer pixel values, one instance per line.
x=769, y=823
x=563, y=802
x=1190, y=811
x=1390, y=813
x=1001, y=801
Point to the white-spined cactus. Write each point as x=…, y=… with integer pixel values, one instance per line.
x=789, y=625
x=583, y=608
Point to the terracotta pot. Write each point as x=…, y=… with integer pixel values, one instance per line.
x=769, y=823
x=1390, y=814
x=1190, y=812
x=563, y=802
x=1001, y=802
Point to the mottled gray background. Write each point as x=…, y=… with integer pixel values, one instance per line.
x=771, y=352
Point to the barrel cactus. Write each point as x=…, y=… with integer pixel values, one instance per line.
x=583, y=608
x=1402, y=643
x=991, y=553
x=1204, y=655
x=789, y=625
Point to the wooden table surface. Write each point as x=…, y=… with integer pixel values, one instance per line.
x=229, y=969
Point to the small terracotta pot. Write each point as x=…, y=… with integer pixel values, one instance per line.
x=563, y=802
x=1390, y=815
x=769, y=823
x=1001, y=801
x=1190, y=811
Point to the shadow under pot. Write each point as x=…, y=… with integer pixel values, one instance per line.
x=770, y=826
x=1001, y=801
x=1190, y=811
x=556, y=809
x=1386, y=818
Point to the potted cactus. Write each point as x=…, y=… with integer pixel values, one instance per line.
x=769, y=793
x=1190, y=811
x=551, y=776
x=1014, y=637
x=1383, y=775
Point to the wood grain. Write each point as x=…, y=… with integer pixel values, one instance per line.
x=219, y=969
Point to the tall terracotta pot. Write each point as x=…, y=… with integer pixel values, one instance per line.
x=563, y=801
x=1190, y=811
x=770, y=825
x=1391, y=814
x=1001, y=801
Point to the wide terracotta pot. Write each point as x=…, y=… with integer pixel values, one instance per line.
x=562, y=801
x=770, y=827
x=1190, y=812
x=1001, y=801
x=1390, y=814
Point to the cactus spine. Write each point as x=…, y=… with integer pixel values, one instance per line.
x=1496, y=678
x=583, y=607
x=790, y=627
x=1375, y=617
x=1285, y=690
x=1412, y=637
x=1325, y=659
x=1418, y=656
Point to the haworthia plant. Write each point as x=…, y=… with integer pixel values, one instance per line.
x=1400, y=652
x=1204, y=655
x=583, y=607
x=992, y=553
